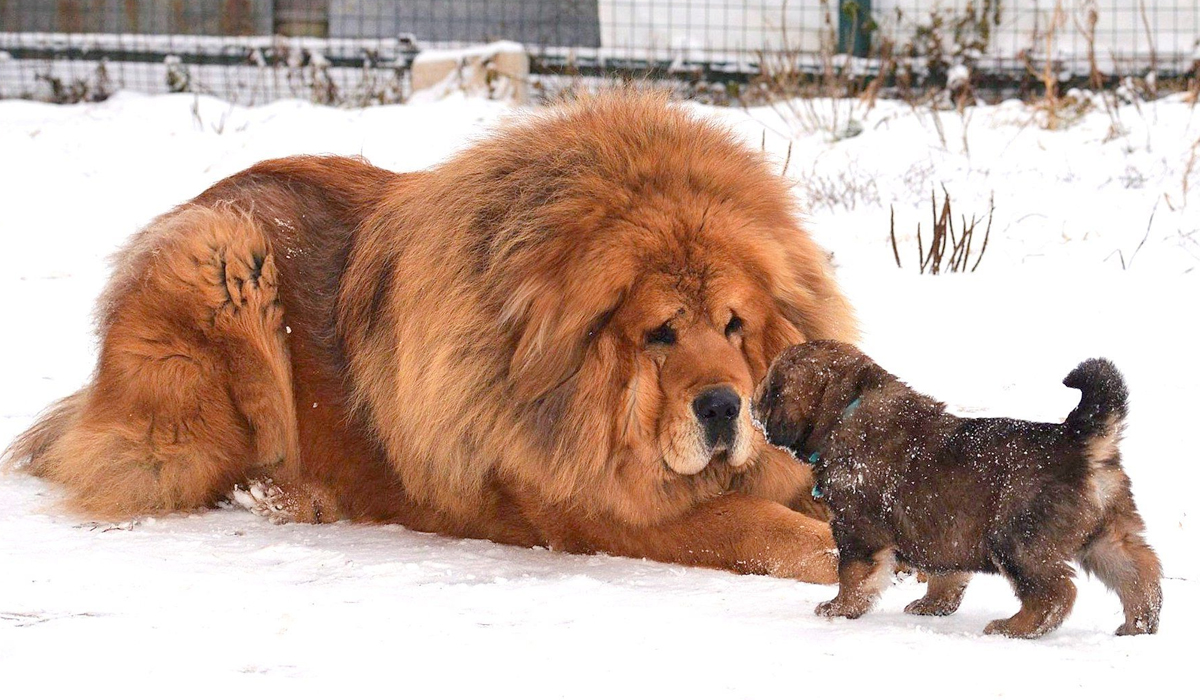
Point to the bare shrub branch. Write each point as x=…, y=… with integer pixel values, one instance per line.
x=934, y=260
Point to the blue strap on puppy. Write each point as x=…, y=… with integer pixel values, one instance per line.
x=846, y=413
x=852, y=407
x=815, y=457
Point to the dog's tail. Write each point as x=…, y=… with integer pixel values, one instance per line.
x=1099, y=418
x=28, y=451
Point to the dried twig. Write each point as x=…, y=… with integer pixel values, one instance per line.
x=1152, y=86
x=934, y=260
x=895, y=249
x=1147, y=235
x=1126, y=264
x=1088, y=30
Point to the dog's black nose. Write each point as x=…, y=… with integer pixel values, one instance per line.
x=717, y=410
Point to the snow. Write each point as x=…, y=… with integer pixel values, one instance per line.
x=477, y=52
x=230, y=599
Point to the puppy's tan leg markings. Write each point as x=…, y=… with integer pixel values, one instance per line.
x=943, y=594
x=1047, y=595
x=1120, y=557
x=860, y=584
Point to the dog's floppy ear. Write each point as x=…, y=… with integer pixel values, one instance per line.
x=553, y=330
x=806, y=294
x=815, y=315
x=778, y=334
x=798, y=318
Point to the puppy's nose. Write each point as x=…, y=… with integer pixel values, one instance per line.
x=717, y=410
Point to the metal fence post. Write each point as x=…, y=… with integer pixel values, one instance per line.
x=301, y=17
x=854, y=27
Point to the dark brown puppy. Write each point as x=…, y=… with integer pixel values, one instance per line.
x=908, y=482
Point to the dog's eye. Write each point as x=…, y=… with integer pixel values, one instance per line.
x=735, y=324
x=663, y=335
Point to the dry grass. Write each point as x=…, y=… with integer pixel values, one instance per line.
x=846, y=188
x=1126, y=264
x=949, y=250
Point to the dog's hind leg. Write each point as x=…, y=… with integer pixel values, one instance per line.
x=943, y=595
x=1047, y=595
x=191, y=393
x=1120, y=557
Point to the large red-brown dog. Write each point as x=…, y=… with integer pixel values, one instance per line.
x=550, y=339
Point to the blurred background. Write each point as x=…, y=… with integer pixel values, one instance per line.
x=360, y=52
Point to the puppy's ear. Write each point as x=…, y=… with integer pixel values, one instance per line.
x=869, y=376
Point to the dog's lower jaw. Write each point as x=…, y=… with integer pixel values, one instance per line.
x=687, y=452
x=686, y=462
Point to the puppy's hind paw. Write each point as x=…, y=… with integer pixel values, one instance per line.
x=1138, y=626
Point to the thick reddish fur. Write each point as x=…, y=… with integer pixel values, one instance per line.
x=462, y=350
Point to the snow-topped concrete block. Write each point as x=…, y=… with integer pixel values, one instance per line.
x=499, y=71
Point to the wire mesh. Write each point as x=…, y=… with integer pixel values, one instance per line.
x=252, y=51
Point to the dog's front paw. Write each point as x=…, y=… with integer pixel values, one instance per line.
x=836, y=608
x=266, y=500
x=811, y=567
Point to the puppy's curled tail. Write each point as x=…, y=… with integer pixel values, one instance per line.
x=1105, y=402
x=28, y=451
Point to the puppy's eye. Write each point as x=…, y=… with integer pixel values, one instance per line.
x=663, y=335
x=735, y=324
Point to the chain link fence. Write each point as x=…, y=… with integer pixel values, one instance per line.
x=360, y=51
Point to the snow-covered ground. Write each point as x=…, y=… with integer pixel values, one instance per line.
x=225, y=601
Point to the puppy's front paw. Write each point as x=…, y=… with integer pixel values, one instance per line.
x=937, y=607
x=1008, y=628
x=836, y=608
